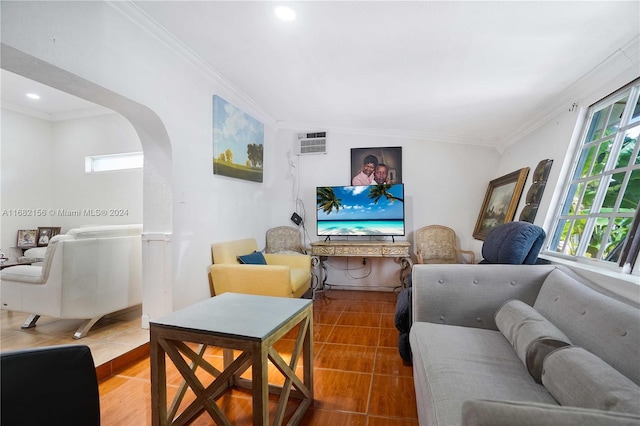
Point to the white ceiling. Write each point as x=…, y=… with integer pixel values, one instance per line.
x=459, y=71
x=53, y=105
x=475, y=72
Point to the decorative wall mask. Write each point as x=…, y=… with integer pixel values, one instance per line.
x=534, y=195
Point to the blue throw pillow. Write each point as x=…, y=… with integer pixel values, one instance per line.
x=255, y=258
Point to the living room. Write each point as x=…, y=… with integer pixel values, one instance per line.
x=164, y=95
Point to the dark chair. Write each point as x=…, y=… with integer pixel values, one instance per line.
x=403, y=324
x=516, y=243
x=55, y=385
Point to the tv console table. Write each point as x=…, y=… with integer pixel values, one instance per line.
x=398, y=250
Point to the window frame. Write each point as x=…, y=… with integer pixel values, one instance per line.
x=91, y=160
x=563, y=214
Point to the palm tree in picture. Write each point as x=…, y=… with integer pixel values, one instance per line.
x=378, y=191
x=327, y=201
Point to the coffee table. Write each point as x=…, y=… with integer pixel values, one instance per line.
x=247, y=323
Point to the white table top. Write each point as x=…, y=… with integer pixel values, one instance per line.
x=233, y=314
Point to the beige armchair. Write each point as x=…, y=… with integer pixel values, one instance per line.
x=284, y=275
x=437, y=244
x=284, y=239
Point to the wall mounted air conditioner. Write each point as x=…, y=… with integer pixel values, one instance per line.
x=311, y=143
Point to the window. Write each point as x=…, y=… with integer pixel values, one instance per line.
x=599, y=217
x=104, y=163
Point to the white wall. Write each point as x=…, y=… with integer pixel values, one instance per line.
x=54, y=154
x=72, y=189
x=550, y=141
x=444, y=184
x=26, y=164
x=557, y=139
x=95, y=42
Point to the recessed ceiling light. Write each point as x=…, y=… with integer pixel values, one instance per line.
x=285, y=13
x=33, y=96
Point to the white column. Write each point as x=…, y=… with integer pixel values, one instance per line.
x=157, y=296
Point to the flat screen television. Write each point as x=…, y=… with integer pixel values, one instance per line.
x=374, y=210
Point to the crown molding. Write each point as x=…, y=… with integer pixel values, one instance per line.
x=26, y=111
x=166, y=38
x=387, y=133
x=144, y=21
x=624, y=58
x=72, y=115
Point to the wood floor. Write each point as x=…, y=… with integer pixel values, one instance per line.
x=111, y=337
x=359, y=377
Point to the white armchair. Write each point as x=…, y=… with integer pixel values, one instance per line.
x=86, y=273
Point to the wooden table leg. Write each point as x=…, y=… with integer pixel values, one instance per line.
x=307, y=351
x=158, y=382
x=260, y=384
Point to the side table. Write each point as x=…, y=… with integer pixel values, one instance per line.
x=247, y=323
x=398, y=250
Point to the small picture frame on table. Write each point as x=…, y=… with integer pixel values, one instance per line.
x=45, y=234
x=27, y=238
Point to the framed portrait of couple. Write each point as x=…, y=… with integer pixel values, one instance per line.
x=376, y=166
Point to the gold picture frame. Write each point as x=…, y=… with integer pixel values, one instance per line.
x=500, y=202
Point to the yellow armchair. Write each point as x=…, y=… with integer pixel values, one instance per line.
x=284, y=275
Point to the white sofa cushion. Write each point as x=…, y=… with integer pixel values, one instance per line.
x=106, y=231
x=24, y=273
x=35, y=253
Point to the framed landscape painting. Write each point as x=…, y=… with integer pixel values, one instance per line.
x=238, y=142
x=500, y=202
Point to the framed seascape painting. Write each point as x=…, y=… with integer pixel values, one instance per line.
x=238, y=142
x=500, y=202
x=376, y=166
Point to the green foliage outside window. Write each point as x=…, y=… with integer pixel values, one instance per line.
x=604, y=193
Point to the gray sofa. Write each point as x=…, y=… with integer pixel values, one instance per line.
x=519, y=344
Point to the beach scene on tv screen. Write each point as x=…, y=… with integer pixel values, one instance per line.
x=360, y=210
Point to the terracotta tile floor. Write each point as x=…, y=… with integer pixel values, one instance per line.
x=358, y=375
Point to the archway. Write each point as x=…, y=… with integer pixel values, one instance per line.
x=157, y=189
